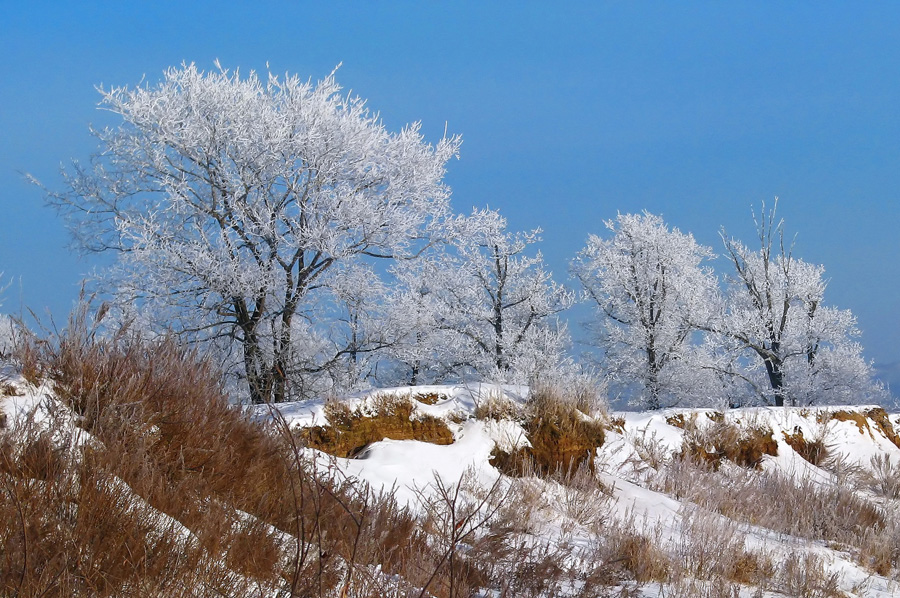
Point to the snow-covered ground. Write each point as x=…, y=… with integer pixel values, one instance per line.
x=623, y=465
x=629, y=464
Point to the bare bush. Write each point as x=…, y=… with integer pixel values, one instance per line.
x=744, y=444
x=804, y=575
x=884, y=476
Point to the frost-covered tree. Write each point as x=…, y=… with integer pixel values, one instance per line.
x=485, y=306
x=359, y=332
x=649, y=285
x=775, y=312
x=230, y=200
x=422, y=349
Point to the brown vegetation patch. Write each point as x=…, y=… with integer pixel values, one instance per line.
x=749, y=568
x=743, y=445
x=8, y=389
x=853, y=416
x=562, y=438
x=643, y=558
x=429, y=398
x=716, y=416
x=351, y=430
x=676, y=420
x=814, y=451
x=107, y=518
x=799, y=506
x=497, y=407
x=617, y=424
x=880, y=417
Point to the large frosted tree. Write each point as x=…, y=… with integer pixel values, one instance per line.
x=649, y=286
x=230, y=201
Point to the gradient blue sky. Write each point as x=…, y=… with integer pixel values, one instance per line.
x=570, y=112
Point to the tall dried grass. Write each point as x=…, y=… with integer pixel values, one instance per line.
x=164, y=489
x=562, y=436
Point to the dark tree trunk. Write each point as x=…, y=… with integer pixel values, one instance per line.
x=775, y=370
x=499, y=358
x=653, y=368
x=257, y=373
x=266, y=378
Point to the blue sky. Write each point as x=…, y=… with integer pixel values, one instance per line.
x=570, y=112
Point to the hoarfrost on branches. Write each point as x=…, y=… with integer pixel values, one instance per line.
x=649, y=284
x=798, y=350
x=484, y=306
x=231, y=199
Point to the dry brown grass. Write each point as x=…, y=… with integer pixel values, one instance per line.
x=805, y=575
x=676, y=420
x=641, y=556
x=815, y=450
x=884, y=476
x=881, y=420
x=712, y=547
x=350, y=431
x=835, y=514
x=497, y=406
x=429, y=398
x=562, y=437
x=744, y=444
x=164, y=489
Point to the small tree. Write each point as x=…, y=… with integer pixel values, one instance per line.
x=422, y=349
x=484, y=306
x=230, y=200
x=649, y=285
x=775, y=312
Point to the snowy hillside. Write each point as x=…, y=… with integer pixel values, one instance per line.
x=839, y=457
x=681, y=502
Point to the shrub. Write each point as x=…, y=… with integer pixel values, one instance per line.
x=562, y=437
x=744, y=445
x=814, y=450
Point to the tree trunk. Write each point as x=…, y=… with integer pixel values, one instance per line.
x=257, y=373
x=652, y=377
x=775, y=370
x=499, y=358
